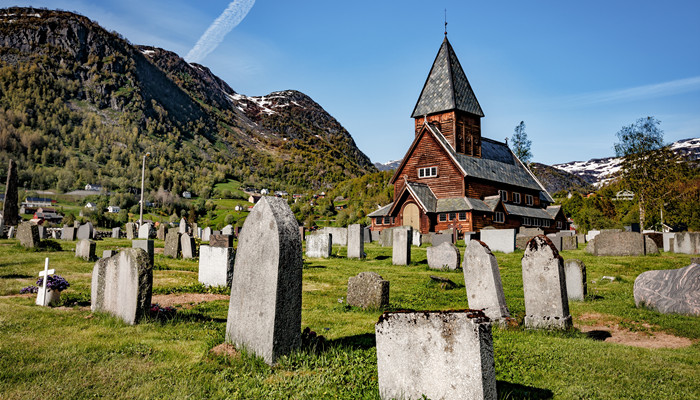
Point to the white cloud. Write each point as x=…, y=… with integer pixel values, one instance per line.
x=229, y=19
x=639, y=93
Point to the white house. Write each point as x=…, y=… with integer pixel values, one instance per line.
x=113, y=209
x=90, y=205
x=94, y=188
x=186, y=194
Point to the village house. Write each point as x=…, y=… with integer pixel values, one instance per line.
x=452, y=177
x=113, y=209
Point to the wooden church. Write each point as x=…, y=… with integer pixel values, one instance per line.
x=452, y=177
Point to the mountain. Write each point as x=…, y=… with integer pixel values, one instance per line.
x=555, y=179
x=388, y=166
x=79, y=104
x=599, y=171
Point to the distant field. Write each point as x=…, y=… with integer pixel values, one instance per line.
x=80, y=355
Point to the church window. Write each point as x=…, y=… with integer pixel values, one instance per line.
x=443, y=217
x=516, y=198
x=452, y=216
x=387, y=220
x=529, y=200
x=504, y=195
x=462, y=215
x=499, y=217
x=427, y=172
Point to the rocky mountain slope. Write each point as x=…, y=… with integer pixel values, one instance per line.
x=82, y=105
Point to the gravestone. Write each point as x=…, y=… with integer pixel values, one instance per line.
x=145, y=245
x=556, y=240
x=319, y=245
x=115, y=233
x=264, y=313
x=544, y=286
x=199, y=233
x=569, y=242
x=445, y=255
x=356, y=241
x=531, y=232
x=436, y=239
x=227, y=230
x=657, y=237
x=566, y=233
x=122, y=285
x=591, y=235
x=482, y=280
x=188, y=246
x=666, y=236
x=367, y=234
x=581, y=238
x=673, y=291
x=68, y=233
x=85, y=249
x=302, y=233
x=206, y=233
x=109, y=253
x=416, y=239
x=145, y=231
x=220, y=240
x=195, y=230
x=84, y=231
x=130, y=229
x=499, y=239
x=183, y=228
x=42, y=232
x=162, y=232
x=368, y=290
x=236, y=231
x=436, y=355
x=686, y=243
x=386, y=239
x=521, y=240
x=610, y=243
x=10, y=206
x=650, y=246
x=339, y=235
x=46, y=296
x=11, y=232
x=216, y=265
x=172, y=244
x=575, y=273
x=28, y=235
x=401, y=250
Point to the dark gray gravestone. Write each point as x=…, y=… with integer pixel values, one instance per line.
x=356, y=243
x=28, y=235
x=569, y=242
x=673, y=291
x=68, y=233
x=436, y=355
x=122, y=285
x=145, y=245
x=10, y=207
x=220, y=240
x=544, y=286
x=482, y=280
x=608, y=243
x=172, y=244
x=265, y=308
x=368, y=289
x=367, y=234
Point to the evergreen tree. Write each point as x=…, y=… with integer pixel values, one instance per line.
x=521, y=144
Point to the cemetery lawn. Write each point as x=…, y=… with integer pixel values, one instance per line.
x=67, y=352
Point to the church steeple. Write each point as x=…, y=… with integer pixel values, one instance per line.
x=447, y=99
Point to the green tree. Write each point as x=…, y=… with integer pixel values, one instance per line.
x=521, y=144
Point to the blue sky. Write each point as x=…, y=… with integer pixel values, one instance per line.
x=575, y=72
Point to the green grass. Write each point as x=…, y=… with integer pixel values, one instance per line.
x=82, y=355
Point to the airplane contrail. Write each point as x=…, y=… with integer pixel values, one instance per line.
x=229, y=19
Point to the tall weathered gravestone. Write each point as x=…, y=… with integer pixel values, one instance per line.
x=122, y=285
x=319, y=245
x=265, y=308
x=172, y=244
x=446, y=255
x=130, y=229
x=401, y=253
x=10, y=207
x=206, y=233
x=85, y=249
x=28, y=235
x=187, y=246
x=436, y=355
x=544, y=286
x=162, y=232
x=368, y=289
x=356, y=242
x=569, y=242
x=482, y=280
x=216, y=265
x=147, y=246
x=576, y=287
x=183, y=228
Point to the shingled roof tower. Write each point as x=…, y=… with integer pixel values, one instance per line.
x=448, y=101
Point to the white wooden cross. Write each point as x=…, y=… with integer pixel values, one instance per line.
x=45, y=273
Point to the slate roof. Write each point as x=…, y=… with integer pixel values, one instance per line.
x=553, y=210
x=462, y=204
x=446, y=87
x=423, y=194
x=382, y=212
x=532, y=212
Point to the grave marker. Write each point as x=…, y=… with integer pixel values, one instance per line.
x=27, y=234
x=216, y=265
x=172, y=244
x=42, y=299
x=446, y=255
x=188, y=246
x=401, y=252
x=368, y=289
x=319, y=245
x=356, y=241
x=575, y=272
x=482, y=281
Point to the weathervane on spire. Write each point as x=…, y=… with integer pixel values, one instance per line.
x=445, y=22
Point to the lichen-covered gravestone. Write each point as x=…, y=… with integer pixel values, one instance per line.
x=172, y=244
x=569, y=242
x=401, y=249
x=264, y=313
x=162, y=232
x=435, y=355
x=482, y=280
x=356, y=242
x=85, y=249
x=576, y=287
x=319, y=245
x=220, y=240
x=216, y=265
x=673, y=291
x=84, y=231
x=28, y=235
x=147, y=246
x=187, y=246
x=446, y=255
x=130, y=229
x=122, y=285
x=544, y=286
x=368, y=289
x=68, y=233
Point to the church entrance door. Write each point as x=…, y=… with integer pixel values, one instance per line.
x=411, y=216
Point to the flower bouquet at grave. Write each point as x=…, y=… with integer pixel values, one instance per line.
x=54, y=282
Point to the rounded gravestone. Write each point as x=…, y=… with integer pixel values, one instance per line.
x=446, y=255
x=673, y=291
